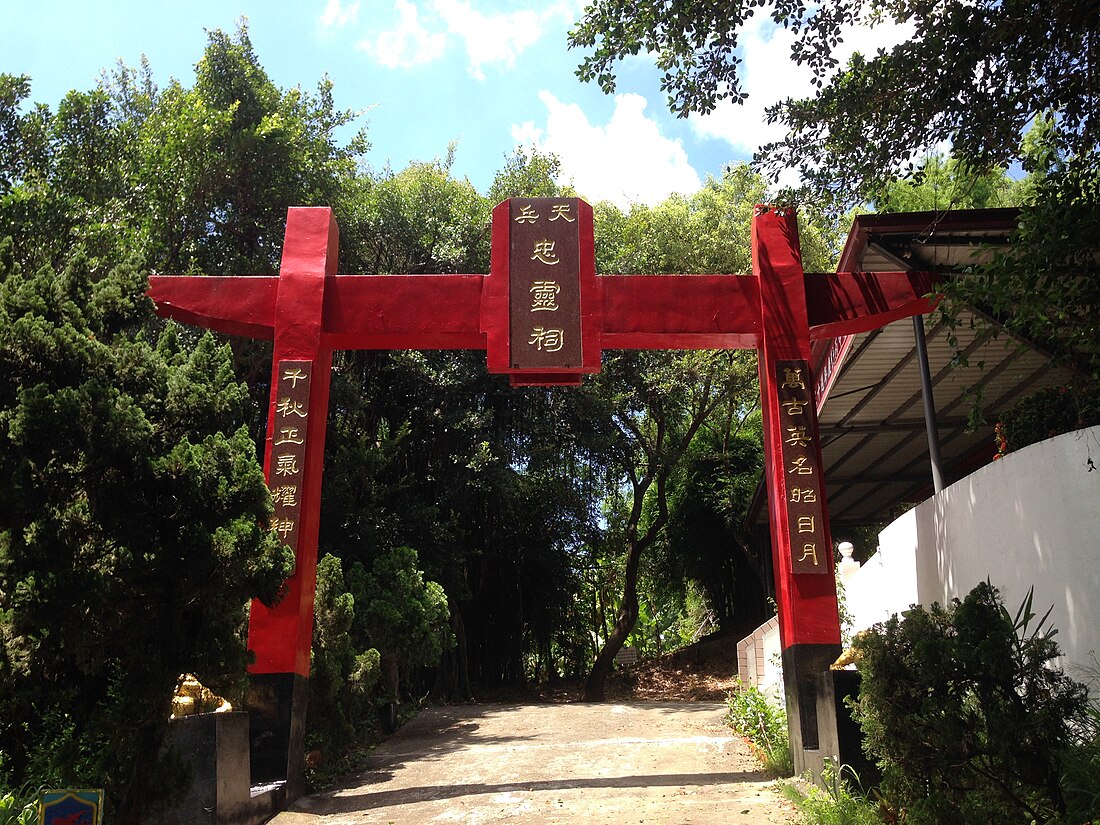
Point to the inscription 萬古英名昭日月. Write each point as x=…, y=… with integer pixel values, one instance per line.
x=801, y=464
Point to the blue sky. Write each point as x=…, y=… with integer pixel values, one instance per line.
x=489, y=74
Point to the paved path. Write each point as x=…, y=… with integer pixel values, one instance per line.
x=656, y=763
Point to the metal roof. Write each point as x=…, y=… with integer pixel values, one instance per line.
x=874, y=440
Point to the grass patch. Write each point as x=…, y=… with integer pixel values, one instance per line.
x=834, y=804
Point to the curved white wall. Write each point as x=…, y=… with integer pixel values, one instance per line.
x=1032, y=518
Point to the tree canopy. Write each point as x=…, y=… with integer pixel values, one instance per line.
x=972, y=73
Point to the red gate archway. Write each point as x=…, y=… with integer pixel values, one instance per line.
x=543, y=317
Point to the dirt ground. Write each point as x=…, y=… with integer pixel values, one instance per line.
x=657, y=753
x=651, y=763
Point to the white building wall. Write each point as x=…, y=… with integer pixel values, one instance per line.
x=1032, y=518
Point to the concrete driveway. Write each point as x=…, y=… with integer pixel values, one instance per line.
x=671, y=763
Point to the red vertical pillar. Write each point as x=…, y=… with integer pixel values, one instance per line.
x=809, y=623
x=280, y=636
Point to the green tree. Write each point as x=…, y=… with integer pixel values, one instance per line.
x=709, y=501
x=404, y=616
x=656, y=403
x=342, y=676
x=941, y=183
x=868, y=117
x=133, y=532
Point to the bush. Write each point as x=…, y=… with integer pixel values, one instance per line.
x=1081, y=772
x=753, y=716
x=133, y=531
x=342, y=680
x=968, y=721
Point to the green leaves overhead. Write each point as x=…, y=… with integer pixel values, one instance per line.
x=870, y=116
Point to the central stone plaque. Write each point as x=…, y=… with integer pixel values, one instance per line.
x=544, y=293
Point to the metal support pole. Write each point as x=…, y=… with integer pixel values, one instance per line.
x=929, y=404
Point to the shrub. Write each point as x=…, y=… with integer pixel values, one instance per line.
x=968, y=721
x=341, y=684
x=1081, y=772
x=753, y=716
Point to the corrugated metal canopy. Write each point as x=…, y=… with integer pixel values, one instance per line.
x=874, y=440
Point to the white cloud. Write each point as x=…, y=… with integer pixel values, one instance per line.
x=628, y=160
x=424, y=29
x=409, y=44
x=336, y=15
x=769, y=76
x=495, y=38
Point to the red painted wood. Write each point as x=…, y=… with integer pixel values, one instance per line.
x=592, y=309
x=846, y=303
x=404, y=312
x=280, y=636
x=680, y=311
x=230, y=304
x=494, y=293
x=806, y=603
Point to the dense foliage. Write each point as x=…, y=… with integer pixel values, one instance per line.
x=965, y=715
x=133, y=530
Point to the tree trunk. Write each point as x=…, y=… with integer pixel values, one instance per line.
x=595, y=685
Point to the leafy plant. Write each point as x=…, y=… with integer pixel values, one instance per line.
x=751, y=714
x=341, y=683
x=1081, y=766
x=834, y=802
x=18, y=807
x=404, y=616
x=965, y=715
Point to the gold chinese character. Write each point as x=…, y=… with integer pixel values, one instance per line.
x=289, y=435
x=795, y=407
x=809, y=551
x=550, y=340
x=805, y=524
x=286, y=465
x=287, y=406
x=803, y=495
x=793, y=378
x=798, y=437
x=801, y=466
x=544, y=252
x=283, y=526
x=561, y=210
x=544, y=296
x=294, y=376
x=286, y=494
x=527, y=214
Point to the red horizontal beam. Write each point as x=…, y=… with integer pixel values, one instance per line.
x=231, y=304
x=639, y=311
x=846, y=303
x=680, y=311
x=404, y=312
